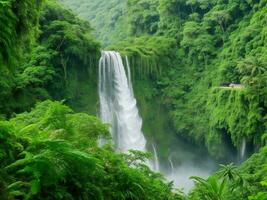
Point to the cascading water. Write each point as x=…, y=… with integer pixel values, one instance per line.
x=155, y=159
x=171, y=165
x=118, y=104
x=243, y=149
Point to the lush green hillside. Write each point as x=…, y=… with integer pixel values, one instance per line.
x=217, y=43
x=47, y=63
x=51, y=152
x=220, y=53
x=107, y=17
x=199, y=72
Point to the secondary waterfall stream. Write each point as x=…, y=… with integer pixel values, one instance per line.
x=155, y=163
x=243, y=149
x=118, y=104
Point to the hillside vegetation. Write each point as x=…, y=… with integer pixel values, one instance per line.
x=49, y=151
x=217, y=43
x=106, y=16
x=52, y=153
x=199, y=70
x=202, y=45
x=214, y=44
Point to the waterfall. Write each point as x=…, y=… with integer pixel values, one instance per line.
x=118, y=104
x=155, y=159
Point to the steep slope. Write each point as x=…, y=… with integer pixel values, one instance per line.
x=59, y=55
x=51, y=152
x=223, y=45
x=218, y=43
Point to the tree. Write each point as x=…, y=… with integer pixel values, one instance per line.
x=197, y=42
x=254, y=74
x=202, y=4
x=228, y=172
x=18, y=21
x=144, y=16
x=260, y=195
x=54, y=154
x=222, y=18
x=210, y=189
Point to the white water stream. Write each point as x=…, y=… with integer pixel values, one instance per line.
x=155, y=159
x=118, y=104
x=171, y=165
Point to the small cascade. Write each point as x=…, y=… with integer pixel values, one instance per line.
x=243, y=149
x=118, y=104
x=129, y=75
x=171, y=165
x=155, y=159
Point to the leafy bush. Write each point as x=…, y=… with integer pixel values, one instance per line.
x=55, y=155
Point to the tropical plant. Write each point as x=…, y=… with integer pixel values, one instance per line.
x=210, y=189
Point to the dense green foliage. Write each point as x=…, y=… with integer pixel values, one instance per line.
x=59, y=58
x=106, y=16
x=219, y=44
x=18, y=20
x=213, y=45
x=18, y=25
x=245, y=182
x=52, y=153
x=184, y=55
x=75, y=57
x=213, y=114
x=147, y=55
